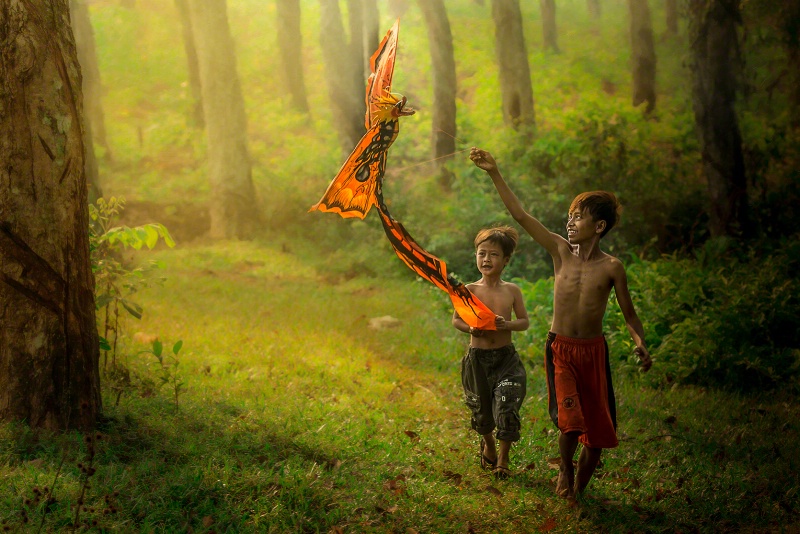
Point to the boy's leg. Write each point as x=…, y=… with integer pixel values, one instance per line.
x=490, y=447
x=587, y=463
x=567, y=445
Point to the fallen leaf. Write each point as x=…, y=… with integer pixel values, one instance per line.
x=208, y=521
x=494, y=491
x=454, y=477
x=548, y=525
x=531, y=466
x=413, y=435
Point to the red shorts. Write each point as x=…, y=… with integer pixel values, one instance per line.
x=581, y=396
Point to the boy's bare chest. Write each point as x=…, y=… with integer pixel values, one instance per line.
x=499, y=300
x=581, y=279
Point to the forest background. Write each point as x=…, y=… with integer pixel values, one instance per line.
x=234, y=391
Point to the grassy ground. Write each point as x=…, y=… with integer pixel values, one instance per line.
x=296, y=416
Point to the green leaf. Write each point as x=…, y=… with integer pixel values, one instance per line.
x=104, y=344
x=177, y=347
x=133, y=308
x=158, y=347
x=152, y=235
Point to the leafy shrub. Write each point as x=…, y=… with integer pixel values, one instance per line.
x=727, y=318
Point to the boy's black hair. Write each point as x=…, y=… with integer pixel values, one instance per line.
x=601, y=205
x=505, y=236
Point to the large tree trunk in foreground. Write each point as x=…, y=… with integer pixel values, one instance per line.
x=643, y=54
x=232, y=206
x=512, y=59
x=49, y=354
x=444, y=84
x=714, y=50
x=290, y=43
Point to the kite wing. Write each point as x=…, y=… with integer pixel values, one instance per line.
x=379, y=83
x=474, y=312
x=351, y=193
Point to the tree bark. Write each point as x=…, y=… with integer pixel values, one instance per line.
x=346, y=84
x=643, y=54
x=671, y=13
x=549, y=28
x=290, y=43
x=233, y=207
x=196, y=117
x=512, y=60
x=49, y=353
x=714, y=50
x=444, y=85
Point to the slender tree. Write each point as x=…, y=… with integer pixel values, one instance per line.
x=643, y=54
x=196, y=113
x=49, y=354
x=290, y=43
x=671, y=14
x=595, y=10
x=344, y=75
x=233, y=207
x=512, y=59
x=715, y=44
x=444, y=84
x=549, y=28
x=372, y=31
x=90, y=72
x=93, y=109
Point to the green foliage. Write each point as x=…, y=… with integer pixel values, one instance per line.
x=168, y=371
x=115, y=282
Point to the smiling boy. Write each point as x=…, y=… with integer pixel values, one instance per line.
x=492, y=373
x=581, y=396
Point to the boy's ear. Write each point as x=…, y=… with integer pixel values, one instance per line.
x=599, y=227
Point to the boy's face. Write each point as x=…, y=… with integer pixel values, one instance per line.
x=582, y=227
x=490, y=259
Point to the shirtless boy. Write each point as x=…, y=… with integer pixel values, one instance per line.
x=492, y=373
x=581, y=397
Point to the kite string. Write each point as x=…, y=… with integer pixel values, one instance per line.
x=393, y=171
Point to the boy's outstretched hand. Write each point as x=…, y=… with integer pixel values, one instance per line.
x=644, y=358
x=482, y=159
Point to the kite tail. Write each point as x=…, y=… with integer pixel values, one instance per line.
x=474, y=312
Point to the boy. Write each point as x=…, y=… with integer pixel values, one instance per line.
x=581, y=397
x=492, y=373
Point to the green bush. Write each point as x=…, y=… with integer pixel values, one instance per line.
x=727, y=318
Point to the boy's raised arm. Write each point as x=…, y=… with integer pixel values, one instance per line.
x=484, y=160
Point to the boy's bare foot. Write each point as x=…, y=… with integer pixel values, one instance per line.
x=487, y=462
x=566, y=479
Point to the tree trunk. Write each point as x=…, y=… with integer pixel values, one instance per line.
x=372, y=31
x=355, y=22
x=233, y=206
x=444, y=84
x=346, y=84
x=49, y=353
x=595, y=10
x=196, y=114
x=671, y=12
x=290, y=43
x=715, y=46
x=549, y=28
x=643, y=54
x=90, y=71
x=512, y=60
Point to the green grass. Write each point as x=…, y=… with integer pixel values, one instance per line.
x=297, y=417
